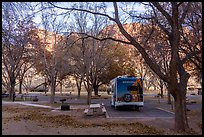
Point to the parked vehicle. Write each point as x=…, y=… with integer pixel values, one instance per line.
x=127, y=92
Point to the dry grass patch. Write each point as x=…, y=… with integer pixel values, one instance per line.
x=41, y=116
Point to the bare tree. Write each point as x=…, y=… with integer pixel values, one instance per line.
x=52, y=48
x=49, y=60
x=26, y=65
x=77, y=70
x=89, y=61
x=28, y=79
x=154, y=46
x=169, y=18
x=192, y=40
x=17, y=34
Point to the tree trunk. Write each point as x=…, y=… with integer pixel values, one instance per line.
x=161, y=88
x=168, y=94
x=181, y=122
x=89, y=97
x=12, y=87
x=53, y=88
x=78, y=83
x=46, y=86
x=89, y=91
x=20, y=86
x=46, y=89
x=169, y=97
x=60, y=87
x=12, y=90
x=52, y=97
x=95, y=88
x=78, y=90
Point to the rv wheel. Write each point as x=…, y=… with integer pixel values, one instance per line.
x=136, y=108
x=127, y=97
x=116, y=107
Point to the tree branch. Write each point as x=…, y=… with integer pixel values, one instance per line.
x=190, y=55
x=185, y=12
x=159, y=24
x=72, y=9
x=167, y=16
x=151, y=62
x=103, y=39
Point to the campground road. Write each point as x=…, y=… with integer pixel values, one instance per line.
x=147, y=111
x=152, y=107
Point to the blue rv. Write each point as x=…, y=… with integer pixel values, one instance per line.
x=127, y=92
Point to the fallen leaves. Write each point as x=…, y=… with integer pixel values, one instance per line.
x=72, y=119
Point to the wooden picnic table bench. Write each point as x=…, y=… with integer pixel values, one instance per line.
x=95, y=109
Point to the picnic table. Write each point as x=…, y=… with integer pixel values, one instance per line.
x=95, y=109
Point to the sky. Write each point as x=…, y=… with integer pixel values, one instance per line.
x=110, y=10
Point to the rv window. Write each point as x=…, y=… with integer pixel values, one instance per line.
x=113, y=88
x=132, y=88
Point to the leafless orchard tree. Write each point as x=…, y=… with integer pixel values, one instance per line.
x=77, y=51
x=51, y=54
x=17, y=34
x=169, y=17
x=89, y=61
x=80, y=51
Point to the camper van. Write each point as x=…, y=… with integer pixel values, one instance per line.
x=127, y=92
